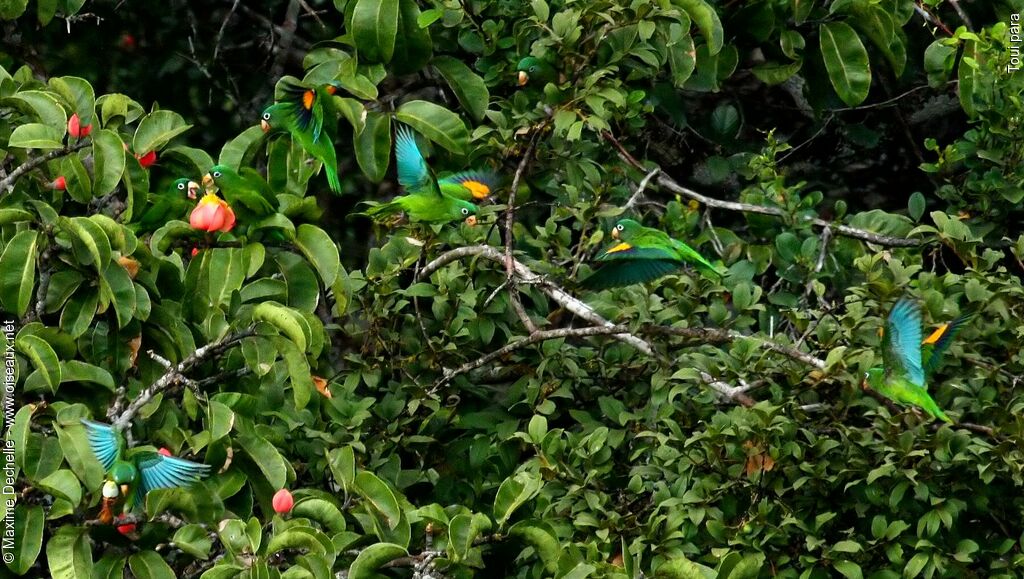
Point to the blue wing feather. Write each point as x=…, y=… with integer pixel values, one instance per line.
x=904, y=340
x=104, y=441
x=412, y=167
x=163, y=472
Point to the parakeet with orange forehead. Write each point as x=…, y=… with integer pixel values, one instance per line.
x=309, y=115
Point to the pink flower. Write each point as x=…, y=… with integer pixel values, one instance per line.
x=212, y=214
x=75, y=128
x=283, y=501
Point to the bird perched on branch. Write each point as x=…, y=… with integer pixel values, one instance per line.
x=174, y=204
x=246, y=191
x=644, y=254
x=132, y=474
x=907, y=360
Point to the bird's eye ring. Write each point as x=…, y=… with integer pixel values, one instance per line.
x=533, y=68
x=181, y=186
x=266, y=116
x=465, y=211
x=216, y=174
x=619, y=227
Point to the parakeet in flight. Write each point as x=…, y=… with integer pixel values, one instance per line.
x=309, y=115
x=131, y=475
x=425, y=201
x=247, y=192
x=174, y=204
x=907, y=361
x=643, y=254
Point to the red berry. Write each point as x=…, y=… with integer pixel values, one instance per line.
x=283, y=501
x=195, y=251
x=163, y=450
x=76, y=129
x=128, y=42
x=146, y=160
x=125, y=529
x=60, y=183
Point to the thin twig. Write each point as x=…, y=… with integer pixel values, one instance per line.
x=731, y=393
x=962, y=14
x=670, y=184
x=7, y=184
x=510, y=217
x=223, y=26
x=175, y=374
x=640, y=188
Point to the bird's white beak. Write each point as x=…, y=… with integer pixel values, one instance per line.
x=124, y=489
x=615, y=233
x=471, y=221
x=208, y=181
x=264, y=125
x=193, y=190
x=523, y=78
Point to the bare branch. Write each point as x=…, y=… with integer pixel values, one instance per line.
x=640, y=188
x=510, y=217
x=731, y=393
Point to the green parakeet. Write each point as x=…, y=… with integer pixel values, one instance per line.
x=248, y=194
x=174, y=204
x=131, y=475
x=643, y=254
x=425, y=202
x=907, y=361
x=534, y=71
x=309, y=115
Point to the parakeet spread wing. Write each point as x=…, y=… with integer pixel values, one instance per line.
x=626, y=251
x=164, y=472
x=413, y=173
x=104, y=441
x=938, y=342
x=305, y=108
x=901, y=344
x=478, y=184
x=628, y=272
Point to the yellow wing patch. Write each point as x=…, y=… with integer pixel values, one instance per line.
x=620, y=247
x=307, y=99
x=478, y=189
x=936, y=335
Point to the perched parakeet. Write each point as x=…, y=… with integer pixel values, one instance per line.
x=248, y=194
x=131, y=475
x=907, y=361
x=174, y=204
x=643, y=254
x=534, y=71
x=309, y=115
x=425, y=202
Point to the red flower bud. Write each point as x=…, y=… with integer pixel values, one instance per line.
x=195, y=251
x=163, y=450
x=76, y=129
x=146, y=160
x=128, y=42
x=60, y=183
x=212, y=214
x=125, y=529
x=283, y=501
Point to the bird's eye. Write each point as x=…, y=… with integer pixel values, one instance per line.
x=619, y=227
x=181, y=186
x=216, y=174
x=465, y=211
x=533, y=68
x=266, y=116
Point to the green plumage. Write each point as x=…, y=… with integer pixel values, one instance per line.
x=906, y=362
x=248, y=194
x=425, y=202
x=135, y=473
x=174, y=204
x=644, y=254
x=535, y=72
x=311, y=118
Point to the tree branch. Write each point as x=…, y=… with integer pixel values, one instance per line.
x=510, y=218
x=175, y=374
x=670, y=184
x=7, y=184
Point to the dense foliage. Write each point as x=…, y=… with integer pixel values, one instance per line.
x=446, y=401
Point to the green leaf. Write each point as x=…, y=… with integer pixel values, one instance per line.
x=297, y=538
x=18, y=272
x=28, y=532
x=239, y=151
x=374, y=557
x=513, y=493
x=847, y=547
x=343, y=466
x=108, y=151
x=462, y=531
x=117, y=287
x=374, y=28
x=322, y=511
x=9, y=215
x=468, y=87
x=150, y=565
x=380, y=496
x=11, y=9
x=849, y=569
x=89, y=242
x=63, y=484
x=42, y=356
x=436, y=123
x=320, y=250
x=193, y=540
x=68, y=554
x=45, y=107
x=706, y=19
x=284, y=319
x=680, y=567
x=266, y=457
x=373, y=145
x=111, y=566
x=35, y=136
x=76, y=91
x=542, y=538
x=846, y=60
x=916, y=205
x=156, y=129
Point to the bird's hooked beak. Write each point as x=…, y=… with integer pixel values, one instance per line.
x=264, y=125
x=471, y=221
x=208, y=182
x=615, y=233
x=523, y=78
x=124, y=490
x=193, y=190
